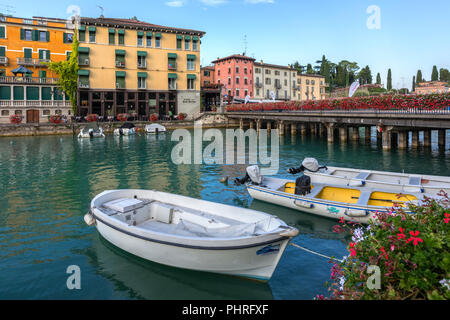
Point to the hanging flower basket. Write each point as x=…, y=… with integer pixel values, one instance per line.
x=122, y=117
x=56, y=119
x=15, y=119
x=154, y=117
x=182, y=116
x=92, y=118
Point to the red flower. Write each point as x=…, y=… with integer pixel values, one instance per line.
x=384, y=253
x=352, y=250
x=447, y=218
x=414, y=238
x=401, y=235
x=341, y=220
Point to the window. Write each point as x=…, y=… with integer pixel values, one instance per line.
x=82, y=35
x=92, y=36
x=245, y=70
x=237, y=80
x=140, y=40
x=179, y=43
x=43, y=36
x=237, y=69
x=218, y=72
x=245, y=81
x=268, y=71
x=142, y=62
x=195, y=45
x=277, y=73
x=237, y=92
x=229, y=93
x=246, y=93
x=285, y=82
x=307, y=82
x=2, y=32
x=229, y=70
x=257, y=70
x=45, y=112
x=313, y=82
x=68, y=38
x=187, y=44
x=149, y=40
x=58, y=112
x=18, y=112
x=257, y=92
x=5, y=113
x=142, y=82
x=121, y=37
x=191, y=84
x=172, y=84
x=28, y=35
x=158, y=42
x=190, y=64
x=299, y=81
x=268, y=82
x=229, y=81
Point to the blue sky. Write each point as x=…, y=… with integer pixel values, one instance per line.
x=413, y=34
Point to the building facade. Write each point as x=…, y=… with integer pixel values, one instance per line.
x=31, y=43
x=130, y=66
x=432, y=87
x=273, y=79
x=207, y=75
x=309, y=87
x=235, y=74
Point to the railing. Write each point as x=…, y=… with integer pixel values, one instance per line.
x=84, y=62
x=120, y=64
x=4, y=60
x=34, y=103
x=31, y=61
x=142, y=65
x=259, y=85
x=31, y=80
x=172, y=66
x=84, y=85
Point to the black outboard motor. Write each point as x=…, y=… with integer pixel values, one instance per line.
x=156, y=130
x=91, y=133
x=121, y=131
x=309, y=164
x=253, y=174
x=303, y=186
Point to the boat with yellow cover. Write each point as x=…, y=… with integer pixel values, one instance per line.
x=358, y=204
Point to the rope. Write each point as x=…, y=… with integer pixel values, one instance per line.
x=313, y=252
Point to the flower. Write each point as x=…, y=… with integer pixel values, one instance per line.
x=447, y=218
x=414, y=238
x=341, y=220
x=352, y=250
x=401, y=235
x=383, y=252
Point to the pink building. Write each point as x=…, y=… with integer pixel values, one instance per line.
x=235, y=74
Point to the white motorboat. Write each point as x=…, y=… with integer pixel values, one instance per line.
x=397, y=182
x=91, y=130
x=357, y=204
x=192, y=234
x=155, y=128
x=127, y=129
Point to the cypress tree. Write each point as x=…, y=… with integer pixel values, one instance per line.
x=389, y=80
x=435, y=74
x=419, y=78
x=414, y=84
x=378, y=78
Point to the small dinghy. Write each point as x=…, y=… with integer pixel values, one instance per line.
x=91, y=130
x=127, y=129
x=155, y=128
x=397, y=182
x=190, y=233
x=357, y=204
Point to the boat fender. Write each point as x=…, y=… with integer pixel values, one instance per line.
x=303, y=204
x=356, y=213
x=89, y=219
x=290, y=233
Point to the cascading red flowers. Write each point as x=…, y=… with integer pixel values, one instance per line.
x=414, y=238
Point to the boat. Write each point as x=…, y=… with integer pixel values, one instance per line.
x=127, y=129
x=396, y=182
x=356, y=204
x=191, y=234
x=155, y=128
x=91, y=130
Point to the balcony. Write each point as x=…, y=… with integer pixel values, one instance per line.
x=32, y=62
x=142, y=65
x=84, y=62
x=258, y=85
x=120, y=86
x=120, y=64
x=172, y=66
x=4, y=61
x=28, y=80
x=84, y=85
x=34, y=103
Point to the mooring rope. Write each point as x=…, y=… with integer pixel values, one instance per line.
x=313, y=252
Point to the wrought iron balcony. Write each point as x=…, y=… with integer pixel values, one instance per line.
x=84, y=85
x=26, y=80
x=4, y=61
x=32, y=62
x=120, y=64
x=84, y=62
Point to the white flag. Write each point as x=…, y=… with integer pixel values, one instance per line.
x=353, y=88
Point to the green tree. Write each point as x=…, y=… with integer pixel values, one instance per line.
x=309, y=69
x=365, y=76
x=297, y=66
x=378, y=78
x=389, y=80
x=68, y=74
x=414, y=84
x=434, y=74
x=444, y=75
x=419, y=78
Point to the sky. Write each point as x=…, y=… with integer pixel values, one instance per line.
x=398, y=34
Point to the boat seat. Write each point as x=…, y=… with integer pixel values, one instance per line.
x=362, y=176
x=415, y=181
x=316, y=190
x=364, y=198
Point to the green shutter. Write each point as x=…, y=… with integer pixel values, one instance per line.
x=82, y=35
x=172, y=75
x=5, y=93
x=35, y=35
x=192, y=76
x=2, y=51
x=83, y=49
x=121, y=74
x=191, y=57
x=142, y=53
x=48, y=36
x=18, y=93
x=32, y=93
x=2, y=32
x=142, y=74
x=46, y=93
x=172, y=55
x=112, y=38
x=42, y=74
x=65, y=37
x=27, y=53
x=22, y=34
x=83, y=72
x=41, y=54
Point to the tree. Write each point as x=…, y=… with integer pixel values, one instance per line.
x=444, y=75
x=434, y=74
x=309, y=69
x=389, y=80
x=297, y=66
x=365, y=76
x=68, y=74
x=419, y=78
x=378, y=78
x=414, y=84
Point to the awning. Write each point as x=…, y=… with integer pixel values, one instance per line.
x=140, y=33
x=120, y=52
x=142, y=53
x=195, y=38
x=179, y=37
x=83, y=49
x=172, y=55
x=157, y=35
x=121, y=31
x=173, y=76
x=142, y=74
x=92, y=29
x=112, y=31
x=191, y=56
x=82, y=28
x=149, y=34
x=188, y=38
x=83, y=72
x=121, y=74
x=191, y=76
x=21, y=70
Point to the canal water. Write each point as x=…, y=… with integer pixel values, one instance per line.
x=46, y=184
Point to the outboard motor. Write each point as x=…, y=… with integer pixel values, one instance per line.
x=303, y=186
x=156, y=130
x=121, y=131
x=91, y=133
x=309, y=164
x=253, y=174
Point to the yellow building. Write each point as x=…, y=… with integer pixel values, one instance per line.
x=309, y=87
x=134, y=67
x=29, y=43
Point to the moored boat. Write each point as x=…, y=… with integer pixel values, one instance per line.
x=155, y=128
x=396, y=182
x=190, y=233
x=91, y=130
x=127, y=129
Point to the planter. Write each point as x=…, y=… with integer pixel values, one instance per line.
x=56, y=119
x=92, y=118
x=122, y=117
x=15, y=119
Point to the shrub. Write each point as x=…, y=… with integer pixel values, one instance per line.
x=122, y=117
x=92, y=118
x=154, y=117
x=411, y=250
x=15, y=119
x=55, y=119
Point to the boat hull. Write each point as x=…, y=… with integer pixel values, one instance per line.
x=125, y=132
x=256, y=261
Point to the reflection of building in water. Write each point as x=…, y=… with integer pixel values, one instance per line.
x=139, y=278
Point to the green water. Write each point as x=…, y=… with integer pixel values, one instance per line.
x=46, y=184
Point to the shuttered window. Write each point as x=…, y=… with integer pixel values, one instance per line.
x=2, y=32
x=46, y=93
x=2, y=51
x=112, y=36
x=5, y=93
x=32, y=93
x=18, y=93
x=82, y=35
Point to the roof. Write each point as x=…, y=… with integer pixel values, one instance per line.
x=133, y=24
x=208, y=68
x=310, y=75
x=234, y=56
x=274, y=66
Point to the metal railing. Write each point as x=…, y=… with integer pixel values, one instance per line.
x=31, y=80
x=34, y=103
x=84, y=62
x=120, y=64
x=84, y=85
x=411, y=111
x=32, y=62
x=4, y=60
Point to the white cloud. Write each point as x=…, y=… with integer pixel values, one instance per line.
x=213, y=2
x=175, y=3
x=259, y=1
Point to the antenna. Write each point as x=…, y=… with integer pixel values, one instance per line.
x=102, y=9
x=245, y=44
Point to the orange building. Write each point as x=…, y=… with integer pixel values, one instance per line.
x=432, y=87
x=30, y=43
x=207, y=75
